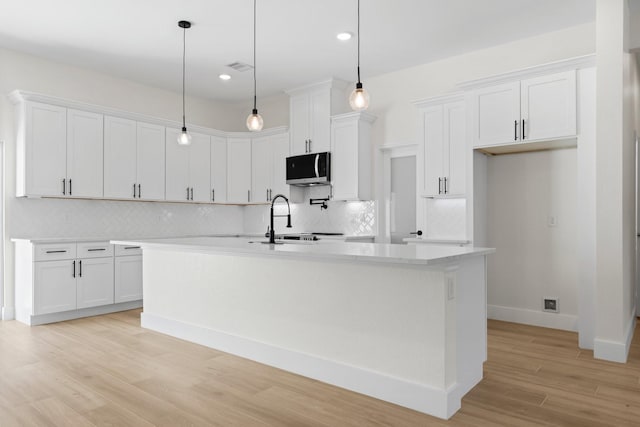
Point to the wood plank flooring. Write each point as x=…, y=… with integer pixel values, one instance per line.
x=107, y=371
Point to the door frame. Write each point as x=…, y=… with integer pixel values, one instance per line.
x=389, y=152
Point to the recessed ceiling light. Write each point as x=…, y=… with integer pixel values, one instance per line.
x=344, y=36
x=224, y=77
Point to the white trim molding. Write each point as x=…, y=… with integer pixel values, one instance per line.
x=8, y=313
x=566, y=322
x=615, y=351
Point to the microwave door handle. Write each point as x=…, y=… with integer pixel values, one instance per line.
x=316, y=165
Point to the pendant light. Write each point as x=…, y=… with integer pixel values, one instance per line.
x=184, y=138
x=359, y=98
x=254, y=121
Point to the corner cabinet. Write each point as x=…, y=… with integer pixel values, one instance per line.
x=268, y=171
x=528, y=110
x=310, y=111
x=442, y=148
x=188, y=168
x=351, y=156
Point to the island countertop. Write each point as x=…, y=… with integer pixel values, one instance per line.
x=357, y=252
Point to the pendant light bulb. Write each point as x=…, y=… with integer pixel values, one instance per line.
x=254, y=121
x=184, y=138
x=359, y=98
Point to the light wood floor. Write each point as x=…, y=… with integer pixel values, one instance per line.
x=108, y=371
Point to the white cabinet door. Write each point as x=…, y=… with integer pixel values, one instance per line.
x=433, y=151
x=549, y=106
x=300, y=112
x=119, y=157
x=94, y=284
x=128, y=278
x=84, y=153
x=261, y=168
x=239, y=170
x=455, y=156
x=218, y=169
x=280, y=150
x=320, y=121
x=54, y=286
x=200, y=168
x=496, y=115
x=177, y=168
x=150, y=161
x=45, y=149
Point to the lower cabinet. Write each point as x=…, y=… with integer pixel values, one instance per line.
x=66, y=280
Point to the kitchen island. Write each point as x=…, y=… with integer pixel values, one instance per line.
x=402, y=323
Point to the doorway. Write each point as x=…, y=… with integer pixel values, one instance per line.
x=398, y=206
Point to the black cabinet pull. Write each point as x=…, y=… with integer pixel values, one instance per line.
x=515, y=130
x=56, y=252
x=64, y=187
x=187, y=193
x=70, y=188
x=96, y=249
x=418, y=233
x=445, y=186
x=523, y=135
x=310, y=149
x=132, y=247
x=248, y=196
x=134, y=191
x=139, y=192
x=74, y=269
x=80, y=263
x=439, y=185
x=192, y=193
x=213, y=195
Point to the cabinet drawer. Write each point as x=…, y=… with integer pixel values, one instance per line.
x=128, y=250
x=94, y=249
x=54, y=251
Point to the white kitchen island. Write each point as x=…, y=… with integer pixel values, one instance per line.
x=402, y=323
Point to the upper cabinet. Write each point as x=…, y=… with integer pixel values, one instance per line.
x=442, y=147
x=218, y=169
x=188, y=169
x=351, y=156
x=59, y=151
x=268, y=171
x=239, y=170
x=528, y=110
x=134, y=159
x=310, y=111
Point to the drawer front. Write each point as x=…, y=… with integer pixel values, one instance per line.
x=95, y=249
x=122, y=250
x=54, y=251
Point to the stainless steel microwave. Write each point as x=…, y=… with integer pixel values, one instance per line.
x=309, y=169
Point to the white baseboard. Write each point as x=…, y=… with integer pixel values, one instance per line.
x=566, y=322
x=8, y=313
x=42, y=319
x=430, y=400
x=615, y=351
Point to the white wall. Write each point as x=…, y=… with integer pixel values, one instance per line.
x=53, y=218
x=533, y=259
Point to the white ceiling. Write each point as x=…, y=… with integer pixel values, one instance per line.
x=140, y=39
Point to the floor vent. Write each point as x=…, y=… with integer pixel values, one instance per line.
x=550, y=304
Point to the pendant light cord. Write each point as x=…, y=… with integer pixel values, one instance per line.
x=358, y=41
x=184, y=48
x=255, y=92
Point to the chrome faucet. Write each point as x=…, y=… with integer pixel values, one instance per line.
x=272, y=233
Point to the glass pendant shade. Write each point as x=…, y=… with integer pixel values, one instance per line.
x=359, y=98
x=184, y=138
x=254, y=121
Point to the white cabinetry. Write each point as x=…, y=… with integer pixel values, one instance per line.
x=268, y=160
x=239, y=170
x=134, y=159
x=84, y=154
x=310, y=110
x=66, y=280
x=59, y=151
x=442, y=149
x=351, y=156
x=128, y=273
x=218, y=169
x=188, y=168
x=534, y=109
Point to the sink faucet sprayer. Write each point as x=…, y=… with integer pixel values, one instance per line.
x=272, y=233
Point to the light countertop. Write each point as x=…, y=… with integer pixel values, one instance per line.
x=346, y=251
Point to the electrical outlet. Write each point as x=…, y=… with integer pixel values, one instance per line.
x=550, y=304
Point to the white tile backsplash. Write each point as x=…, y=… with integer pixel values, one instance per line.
x=445, y=219
x=43, y=218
